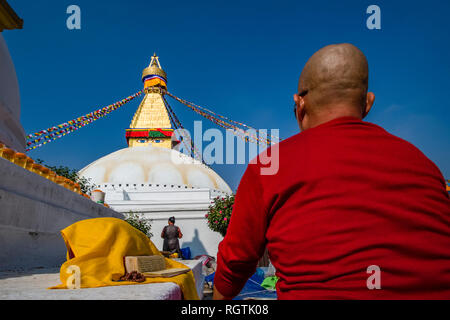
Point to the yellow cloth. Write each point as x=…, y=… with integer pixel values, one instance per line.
x=99, y=246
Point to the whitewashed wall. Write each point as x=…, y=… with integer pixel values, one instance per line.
x=187, y=205
x=33, y=211
x=11, y=131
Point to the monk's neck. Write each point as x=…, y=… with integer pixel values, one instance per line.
x=336, y=113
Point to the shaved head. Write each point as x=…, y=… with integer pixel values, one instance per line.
x=336, y=73
x=335, y=78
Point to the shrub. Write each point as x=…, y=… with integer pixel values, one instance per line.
x=219, y=214
x=85, y=184
x=137, y=221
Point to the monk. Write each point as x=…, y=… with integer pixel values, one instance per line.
x=353, y=211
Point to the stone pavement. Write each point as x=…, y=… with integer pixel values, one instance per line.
x=33, y=284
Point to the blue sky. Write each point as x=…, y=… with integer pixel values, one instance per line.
x=241, y=59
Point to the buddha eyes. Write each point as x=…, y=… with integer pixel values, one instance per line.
x=145, y=141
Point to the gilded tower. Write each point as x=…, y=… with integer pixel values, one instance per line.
x=151, y=123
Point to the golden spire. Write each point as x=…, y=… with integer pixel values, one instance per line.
x=151, y=123
x=151, y=113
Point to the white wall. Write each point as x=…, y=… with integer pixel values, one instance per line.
x=33, y=211
x=196, y=234
x=11, y=131
x=188, y=206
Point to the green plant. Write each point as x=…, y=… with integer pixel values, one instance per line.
x=137, y=221
x=85, y=184
x=219, y=214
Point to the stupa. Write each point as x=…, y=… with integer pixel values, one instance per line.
x=144, y=178
x=151, y=123
x=11, y=130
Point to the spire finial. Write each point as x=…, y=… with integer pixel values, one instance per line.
x=154, y=75
x=155, y=61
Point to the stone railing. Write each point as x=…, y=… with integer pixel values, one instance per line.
x=22, y=160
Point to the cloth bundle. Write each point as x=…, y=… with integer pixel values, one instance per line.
x=98, y=246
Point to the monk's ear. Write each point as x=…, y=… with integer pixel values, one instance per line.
x=301, y=108
x=370, y=99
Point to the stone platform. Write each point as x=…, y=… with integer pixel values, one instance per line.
x=33, y=284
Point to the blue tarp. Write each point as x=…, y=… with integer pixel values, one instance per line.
x=252, y=287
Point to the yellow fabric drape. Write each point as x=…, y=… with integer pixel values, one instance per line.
x=99, y=246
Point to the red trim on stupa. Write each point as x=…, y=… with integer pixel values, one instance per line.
x=144, y=133
x=136, y=134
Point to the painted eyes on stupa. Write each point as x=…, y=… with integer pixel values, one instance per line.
x=153, y=141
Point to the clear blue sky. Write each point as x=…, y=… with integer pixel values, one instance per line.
x=239, y=58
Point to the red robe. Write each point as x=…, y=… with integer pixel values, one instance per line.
x=347, y=195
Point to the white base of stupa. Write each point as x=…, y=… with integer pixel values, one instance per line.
x=159, y=203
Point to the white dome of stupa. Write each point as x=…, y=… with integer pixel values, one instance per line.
x=153, y=165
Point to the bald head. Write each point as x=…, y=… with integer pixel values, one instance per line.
x=336, y=73
x=335, y=78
